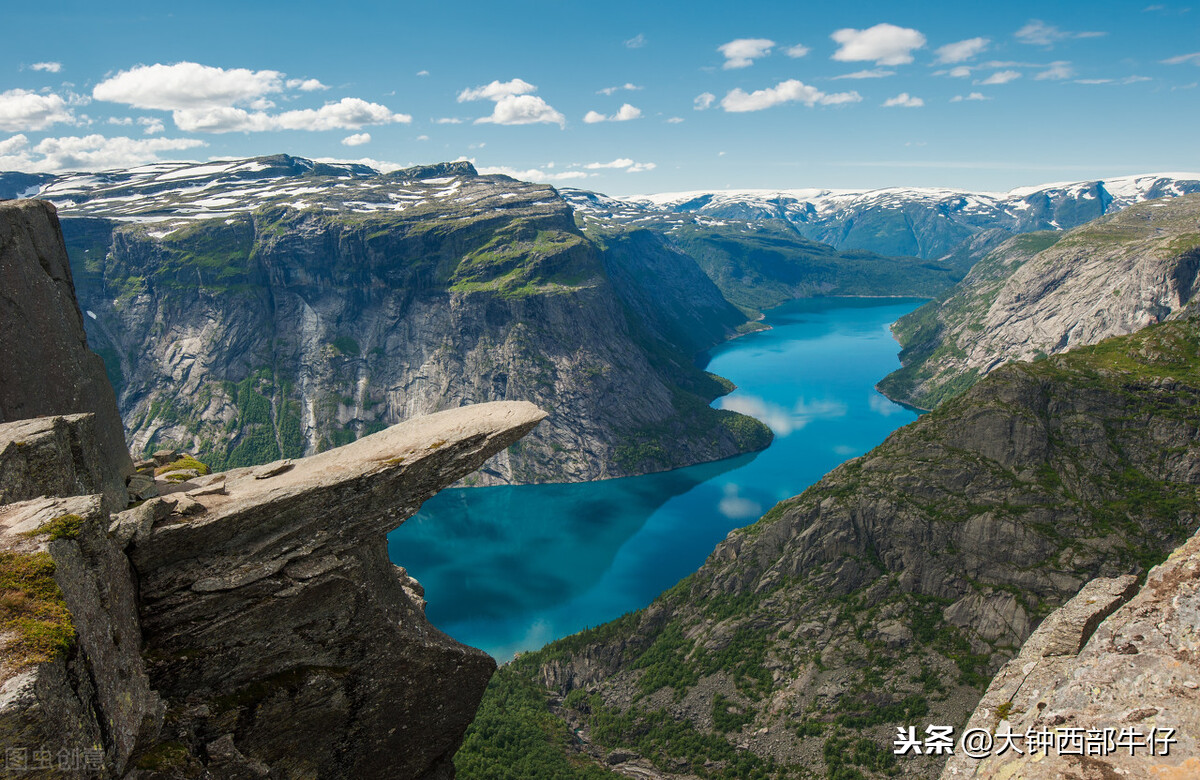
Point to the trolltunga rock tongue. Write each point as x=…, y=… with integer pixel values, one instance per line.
x=273, y=618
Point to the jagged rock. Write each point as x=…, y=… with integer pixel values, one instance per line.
x=141, y=487
x=46, y=367
x=1114, y=657
x=32, y=462
x=277, y=606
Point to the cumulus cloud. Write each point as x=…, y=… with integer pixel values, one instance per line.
x=21, y=109
x=86, y=153
x=1038, y=33
x=903, y=100
x=614, y=90
x=1002, y=77
x=704, y=100
x=790, y=91
x=963, y=50
x=448, y=120
x=636, y=42
x=1056, y=71
x=345, y=114
x=48, y=67
x=532, y=174
x=885, y=44
x=497, y=90
x=971, y=96
x=622, y=163
x=624, y=114
x=151, y=124
x=797, y=51
x=742, y=52
x=523, y=110
x=357, y=139
x=514, y=104
x=305, y=85
x=1193, y=58
x=961, y=72
x=187, y=85
x=874, y=73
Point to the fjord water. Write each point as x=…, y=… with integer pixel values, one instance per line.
x=508, y=569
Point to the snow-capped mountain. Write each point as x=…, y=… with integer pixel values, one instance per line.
x=926, y=222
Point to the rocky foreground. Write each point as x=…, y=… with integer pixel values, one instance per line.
x=241, y=624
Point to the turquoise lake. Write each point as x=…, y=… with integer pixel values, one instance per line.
x=508, y=569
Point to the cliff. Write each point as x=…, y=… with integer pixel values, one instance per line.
x=1114, y=657
x=241, y=624
x=1044, y=293
x=275, y=307
x=890, y=592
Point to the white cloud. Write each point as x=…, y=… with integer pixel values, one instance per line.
x=874, y=73
x=622, y=163
x=422, y=137
x=1038, y=33
x=1193, y=58
x=963, y=50
x=21, y=109
x=1126, y=80
x=152, y=124
x=48, y=67
x=305, y=85
x=614, y=90
x=1002, y=77
x=886, y=44
x=448, y=120
x=790, y=91
x=735, y=506
x=624, y=114
x=523, y=110
x=961, y=72
x=636, y=42
x=1056, y=71
x=904, y=100
x=87, y=153
x=971, y=96
x=422, y=73
x=704, y=100
x=674, y=120
x=497, y=90
x=124, y=121
x=187, y=85
x=346, y=114
x=532, y=174
x=358, y=139
x=797, y=51
x=742, y=52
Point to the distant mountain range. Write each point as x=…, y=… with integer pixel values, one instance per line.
x=909, y=221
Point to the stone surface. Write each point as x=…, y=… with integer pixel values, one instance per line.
x=46, y=367
x=1117, y=657
x=275, y=605
x=51, y=456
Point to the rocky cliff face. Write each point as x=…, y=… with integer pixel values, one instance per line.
x=276, y=307
x=1044, y=293
x=1114, y=657
x=242, y=624
x=891, y=591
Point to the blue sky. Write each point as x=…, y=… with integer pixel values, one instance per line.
x=621, y=98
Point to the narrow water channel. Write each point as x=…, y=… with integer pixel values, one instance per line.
x=509, y=569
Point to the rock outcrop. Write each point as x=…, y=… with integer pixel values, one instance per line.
x=45, y=365
x=1044, y=293
x=238, y=625
x=1117, y=660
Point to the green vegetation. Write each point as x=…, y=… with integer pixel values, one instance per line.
x=184, y=463
x=62, y=527
x=32, y=607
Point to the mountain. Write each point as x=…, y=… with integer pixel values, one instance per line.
x=921, y=222
x=274, y=307
x=1046, y=292
x=763, y=262
x=888, y=593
